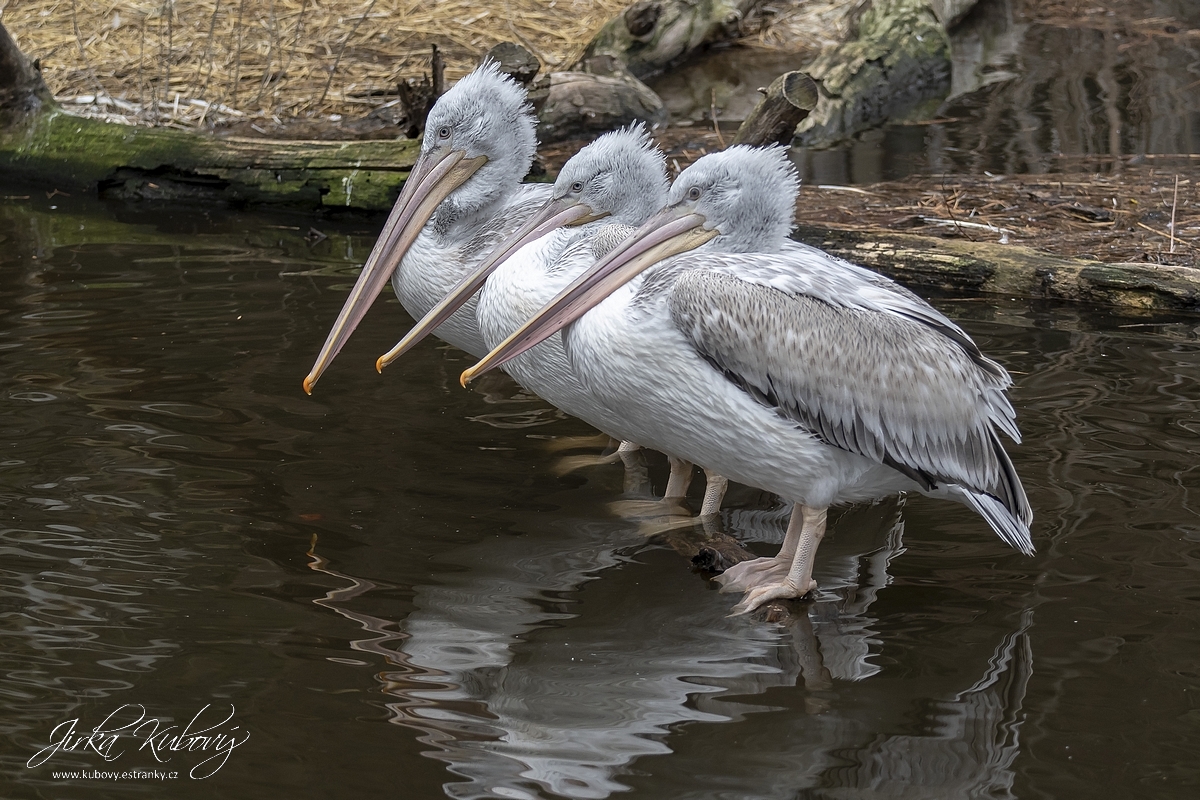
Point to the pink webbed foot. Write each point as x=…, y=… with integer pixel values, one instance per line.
x=782, y=590
x=750, y=574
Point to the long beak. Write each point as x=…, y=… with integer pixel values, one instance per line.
x=555, y=214
x=436, y=174
x=670, y=232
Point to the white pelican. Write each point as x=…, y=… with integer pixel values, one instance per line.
x=793, y=372
x=612, y=184
x=462, y=197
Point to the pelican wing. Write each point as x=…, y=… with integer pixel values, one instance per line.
x=842, y=282
x=833, y=352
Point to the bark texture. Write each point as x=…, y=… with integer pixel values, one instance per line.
x=1011, y=270
x=785, y=104
x=652, y=35
x=895, y=67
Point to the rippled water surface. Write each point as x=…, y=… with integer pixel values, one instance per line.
x=399, y=594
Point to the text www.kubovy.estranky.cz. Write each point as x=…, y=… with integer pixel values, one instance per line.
x=122, y=775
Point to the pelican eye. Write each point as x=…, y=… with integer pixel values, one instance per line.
x=444, y=132
x=577, y=187
x=693, y=193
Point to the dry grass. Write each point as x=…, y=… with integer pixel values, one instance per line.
x=190, y=62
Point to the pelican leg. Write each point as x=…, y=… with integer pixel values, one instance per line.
x=637, y=476
x=680, y=480
x=714, y=493
x=798, y=581
x=756, y=572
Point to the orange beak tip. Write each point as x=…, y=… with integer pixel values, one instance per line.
x=465, y=378
x=308, y=386
x=379, y=365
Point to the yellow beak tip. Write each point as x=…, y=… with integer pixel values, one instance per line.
x=380, y=364
x=465, y=378
x=308, y=385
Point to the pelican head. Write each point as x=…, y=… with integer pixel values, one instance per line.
x=746, y=194
x=740, y=200
x=483, y=116
x=480, y=138
x=621, y=176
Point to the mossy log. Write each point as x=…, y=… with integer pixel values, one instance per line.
x=895, y=67
x=652, y=35
x=1011, y=270
x=42, y=144
x=59, y=150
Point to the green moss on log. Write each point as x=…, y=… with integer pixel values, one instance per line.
x=897, y=67
x=58, y=149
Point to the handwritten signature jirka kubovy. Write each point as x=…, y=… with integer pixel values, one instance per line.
x=200, y=735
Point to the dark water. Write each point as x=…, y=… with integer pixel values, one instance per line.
x=399, y=596
x=1127, y=94
x=1095, y=87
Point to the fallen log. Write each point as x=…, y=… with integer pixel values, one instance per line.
x=1012, y=270
x=516, y=61
x=59, y=150
x=581, y=104
x=41, y=143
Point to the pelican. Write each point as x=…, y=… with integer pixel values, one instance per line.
x=462, y=197
x=611, y=185
x=793, y=372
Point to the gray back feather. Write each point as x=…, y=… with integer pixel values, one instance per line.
x=861, y=376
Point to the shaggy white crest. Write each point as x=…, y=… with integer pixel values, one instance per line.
x=747, y=193
x=621, y=173
x=485, y=113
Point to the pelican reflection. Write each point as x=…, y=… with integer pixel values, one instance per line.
x=529, y=677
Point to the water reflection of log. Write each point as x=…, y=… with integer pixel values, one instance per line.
x=1122, y=91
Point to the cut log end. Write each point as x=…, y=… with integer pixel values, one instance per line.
x=785, y=104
